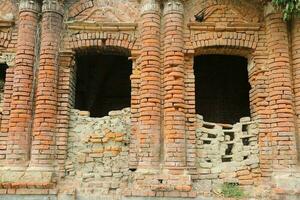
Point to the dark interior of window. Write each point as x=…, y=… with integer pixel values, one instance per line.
x=222, y=88
x=3, y=68
x=102, y=83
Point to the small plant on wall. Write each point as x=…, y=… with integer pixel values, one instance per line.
x=232, y=190
x=289, y=7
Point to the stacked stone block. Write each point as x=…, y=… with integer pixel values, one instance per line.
x=98, y=151
x=227, y=153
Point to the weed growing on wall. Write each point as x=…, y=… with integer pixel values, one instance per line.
x=231, y=190
x=289, y=7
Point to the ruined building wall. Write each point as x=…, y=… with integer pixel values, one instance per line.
x=159, y=146
x=98, y=148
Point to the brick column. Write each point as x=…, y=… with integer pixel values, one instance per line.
x=21, y=104
x=44, y=126
x=174, y=91
x=66, y=93
x=280, y=91
x=296, y=69
x=150, y=87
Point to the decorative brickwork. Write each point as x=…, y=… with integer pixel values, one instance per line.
x=160, y=146
x=21, y=102
x=148, y=137
x=44, y=124
x=280, y=93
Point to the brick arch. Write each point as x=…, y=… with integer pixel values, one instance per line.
x=5, y=38
x=225, y=50
x=231, y=40
x=80, y=7
x=8, y=17
x=86, y=40
x=113, y=10
x=8, y=10
x=250, y=10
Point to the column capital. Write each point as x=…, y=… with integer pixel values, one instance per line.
x=30, y=5
x=171, y=6
x=150, y=6
x=52, y=6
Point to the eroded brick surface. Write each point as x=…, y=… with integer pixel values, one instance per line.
x=160, y=146
x=98, y=153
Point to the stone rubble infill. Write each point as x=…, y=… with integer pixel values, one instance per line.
x=98, y=148
x=226, y=153
x=98, y=152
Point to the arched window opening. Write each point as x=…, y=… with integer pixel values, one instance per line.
x=222, y=88
x=102, y=83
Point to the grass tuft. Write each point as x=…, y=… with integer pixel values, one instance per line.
x=232, y=190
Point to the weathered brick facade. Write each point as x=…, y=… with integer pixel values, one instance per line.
x=160, y=146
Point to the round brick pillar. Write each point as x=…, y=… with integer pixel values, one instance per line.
x=280, y=92
x=149, y=134
x=19, y=138
x=296, y=70
x=173, y=81
x=44, y=126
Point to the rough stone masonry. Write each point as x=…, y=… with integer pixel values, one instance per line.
x=158, y=146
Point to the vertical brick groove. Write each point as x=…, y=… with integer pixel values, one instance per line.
x=65, y=92
x=6, y=110
x=174, y=101
x=134, y=118
x=281, y=94
x=296, y=71
x=190, y=125
x=21, y=102
x=44, y=126
x=150, y=97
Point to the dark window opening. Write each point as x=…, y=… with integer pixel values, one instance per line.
x=3, y=68
x=102, y=83
x=222, y=88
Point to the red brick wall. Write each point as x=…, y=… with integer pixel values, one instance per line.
x=162, y=41
x=295, y=39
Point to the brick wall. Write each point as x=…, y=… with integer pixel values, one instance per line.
x=162, y=39
x=280, y=93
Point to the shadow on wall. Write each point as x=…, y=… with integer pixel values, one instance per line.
x=102, y=83
x=222, y=88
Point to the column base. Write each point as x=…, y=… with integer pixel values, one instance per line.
x=26, y=177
